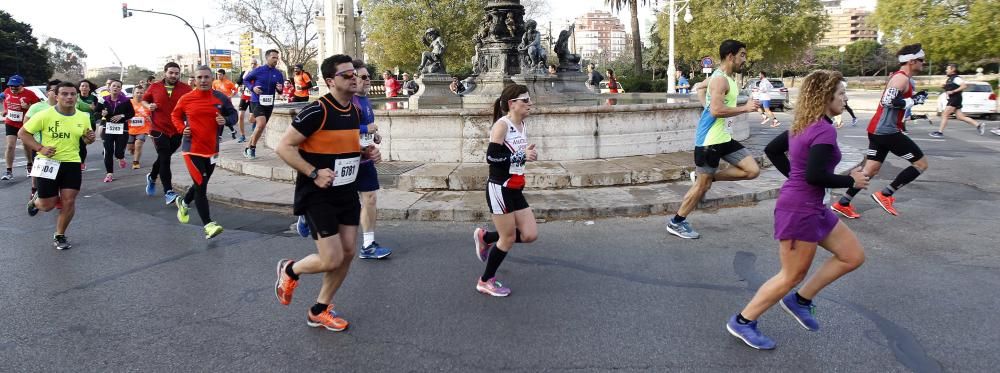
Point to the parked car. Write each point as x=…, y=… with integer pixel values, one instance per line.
x=604, y=87
x=779, y=96
x=977, y=99
x=39, y=91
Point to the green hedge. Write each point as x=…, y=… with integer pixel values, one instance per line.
x=642, y=84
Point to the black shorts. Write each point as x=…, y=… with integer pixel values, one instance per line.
x=706, y=158
x=325, y=218
x=367, y=177
x=299, y=99
x=955, y=100
x=899, y=144
x=259, y=110
x=503, y=200
x=11, y=130
x=69, y=177
x=244, y=104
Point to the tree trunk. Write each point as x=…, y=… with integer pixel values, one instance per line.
x=636, y=38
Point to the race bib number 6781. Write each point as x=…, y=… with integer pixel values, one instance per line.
x=345, y=171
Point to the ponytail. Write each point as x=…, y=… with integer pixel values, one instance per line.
x=500, y=106
x=497, y=110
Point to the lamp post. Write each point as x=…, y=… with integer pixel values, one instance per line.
x=127, y=12
x=671, y=68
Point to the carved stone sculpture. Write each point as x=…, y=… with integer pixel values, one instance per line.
x=432, y=62
x=531, y=44
x=567, y=60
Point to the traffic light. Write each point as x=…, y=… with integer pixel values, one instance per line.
x=125, y=12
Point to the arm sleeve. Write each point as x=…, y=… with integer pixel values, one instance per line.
x=177, y=116
x=148, y=96
x=775, y=151
x=816, y=174
x=128, y=113
x=309, y=120
x=891, y=99
x=251, y=78
x=497, y=153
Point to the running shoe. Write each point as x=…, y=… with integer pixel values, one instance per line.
x=886, y=202
x=301, y=226
x=749, y=334
x=492, y=287
x=150, y=185
x=846, y=211
x=328, y=319
x=284, y=287
x=253, y=153
x=32, y=210
x=981, y=128
x=854, y=122
x=211, y=229
x=694, y=177
x=242, y=139
x=805, y=315
x=775, y=124
x=108, y=178
x=374, y=251
x=136, y=166
x=121, y=164
x=233, y=132
x=169, y=197
x=936, y=134
x=182, y=211
x=7, y=175
x=682, y=229
x=763, y=120
x=60, y=242
x=482, y=248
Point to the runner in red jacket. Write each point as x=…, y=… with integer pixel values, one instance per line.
x=160, y=99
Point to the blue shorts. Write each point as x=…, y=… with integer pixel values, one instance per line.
x=367, y=177
x=766, y=104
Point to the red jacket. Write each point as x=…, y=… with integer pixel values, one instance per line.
x=157, y=94
x=198, y=110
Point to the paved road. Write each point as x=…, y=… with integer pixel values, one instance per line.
x=141, y=292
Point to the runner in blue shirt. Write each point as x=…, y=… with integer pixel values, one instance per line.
x=267, y=83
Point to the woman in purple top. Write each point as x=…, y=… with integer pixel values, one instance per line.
x=801, y=219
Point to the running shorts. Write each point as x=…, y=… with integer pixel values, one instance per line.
x=299, y=99
x=899, y=144
x=367, y=177
x=955, y=100
x=133, y=138
x=706, y=158
x=11, y=130
x=69, y=177
x=244, y=104
x=503, y=200
x=325, y=218
x=259, y=110
x=766, y=104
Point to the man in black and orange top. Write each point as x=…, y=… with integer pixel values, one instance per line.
x=322, y=145
x=198, y=116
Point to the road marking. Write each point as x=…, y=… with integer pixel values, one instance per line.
x=912, y=138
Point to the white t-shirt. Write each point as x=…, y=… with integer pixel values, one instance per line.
x=764, y=87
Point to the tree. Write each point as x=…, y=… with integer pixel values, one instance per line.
x=21, y=53
x=135, y=74
x=66, y=58
x=287, y=24
x=962, y=31
x=633, y=6
x=775, y=32
x=863, y=57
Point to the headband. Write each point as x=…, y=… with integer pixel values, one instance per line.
x=910, y=57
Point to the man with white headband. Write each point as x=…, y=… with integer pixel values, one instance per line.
x=884, y=133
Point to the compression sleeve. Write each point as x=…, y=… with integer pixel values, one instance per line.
x=816, y=174
x=775, y=151
x=497, y=154
x=891, y=99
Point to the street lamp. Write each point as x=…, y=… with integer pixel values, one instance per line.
x=671, y=68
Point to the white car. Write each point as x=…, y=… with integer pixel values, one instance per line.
x=977, y=99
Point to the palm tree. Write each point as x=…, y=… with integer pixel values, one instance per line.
x=633, y=6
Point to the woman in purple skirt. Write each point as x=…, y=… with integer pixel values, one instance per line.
x=801, y=219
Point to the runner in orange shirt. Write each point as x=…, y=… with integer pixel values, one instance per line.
x=303, y=83
x=138, y=126
x=228, y=88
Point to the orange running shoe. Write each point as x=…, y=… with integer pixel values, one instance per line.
x=285, y=286
x=886, y=202
x=328, y=319
x=846, y=211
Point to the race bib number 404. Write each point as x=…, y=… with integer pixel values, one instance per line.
x=345, y=171
x=45, y=168
x=266, y=100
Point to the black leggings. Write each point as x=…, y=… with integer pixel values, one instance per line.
x=850, y=111
x=165, y=148
x=83, y=145
x=114, y=145
x=201, y=169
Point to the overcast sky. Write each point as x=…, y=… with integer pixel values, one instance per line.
x=144, y=39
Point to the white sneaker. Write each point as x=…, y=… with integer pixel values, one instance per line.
x=7, y=175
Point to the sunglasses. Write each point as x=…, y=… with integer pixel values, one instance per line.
x=14, y=86
x=349, y=74
x=365, y=77
x=526, y=100
x=920, y=59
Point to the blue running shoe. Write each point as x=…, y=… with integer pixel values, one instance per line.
x=242, y=139
x=805, y=315
x=749, y=334
x=302, y=227
x=374, y=251
x=682, y=229
x=169, y=197
x=150, y=185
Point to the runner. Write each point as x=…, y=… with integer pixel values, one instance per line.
x=198, y=116
x=713, y=139
x=87, y=103
x=303, y=83
x=267, y=82
x=244, y=87
x=56, y=168
x=764, y=88
x=884, y=134
x=506, y=155
x=50, y=93
x=16, y=102
x=801, y=220
x=116, y=114
x=367, y=174
x=228, y=88
x=838, y=121
x=160, y=98
x=138, y=127
x=322, y=144
x=953, y=88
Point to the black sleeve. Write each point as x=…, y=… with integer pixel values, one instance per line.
x=309, y=120
x=497, y=154
x=775, y=151
x=128, y=113
x=228, y=111
x=819, y=157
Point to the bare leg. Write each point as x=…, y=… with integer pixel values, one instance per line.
x=68, y=197
x=333, y=258
x=796, y=257
x=8, y=154
x=259, y=131
x=701, y=186
x=746, y=169
x=848, y=255
x=369, y=201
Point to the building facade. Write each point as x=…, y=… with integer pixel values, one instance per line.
x=847, y=25
x=338, y=29
x=599, y=35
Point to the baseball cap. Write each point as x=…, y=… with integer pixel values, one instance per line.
x=298, y=66
x=15, y=80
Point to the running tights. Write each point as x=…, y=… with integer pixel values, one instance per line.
x=165, y=148
x=114, y=148
x=201, y=169
x=905, y=177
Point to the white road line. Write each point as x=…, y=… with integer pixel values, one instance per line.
x=912, y=138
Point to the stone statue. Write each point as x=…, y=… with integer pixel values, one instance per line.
x=567, y=61
x=432, y=62
x=511, y=25
x=531, y=43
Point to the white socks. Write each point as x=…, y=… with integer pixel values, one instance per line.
x=369, y=237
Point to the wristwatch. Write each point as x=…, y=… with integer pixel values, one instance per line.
x=313, y=175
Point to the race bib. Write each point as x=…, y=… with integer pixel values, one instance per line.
x=345, y=171
x=266, y=100
x=137, y=122
x=114, y=128
x=517, y=161
x=367, y=139
x=15, y=116
x=214, y=159
x=45, y=168
x=729, y=126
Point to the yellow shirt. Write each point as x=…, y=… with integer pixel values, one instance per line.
x=60, y=132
